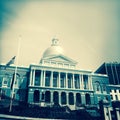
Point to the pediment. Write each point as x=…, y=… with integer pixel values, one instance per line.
x=60, y=58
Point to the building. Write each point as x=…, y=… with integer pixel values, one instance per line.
x=113, y=72
x=55, y=81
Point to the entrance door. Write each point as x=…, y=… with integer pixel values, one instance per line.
x=36, y=96
x=56, y=98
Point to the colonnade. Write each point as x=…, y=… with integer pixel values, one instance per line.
x=61, y=97
x=59, y=79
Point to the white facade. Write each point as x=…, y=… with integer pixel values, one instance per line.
x=57, y=81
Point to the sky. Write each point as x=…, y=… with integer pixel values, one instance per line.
x=88, y=30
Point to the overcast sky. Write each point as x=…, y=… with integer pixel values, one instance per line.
x=88, y=30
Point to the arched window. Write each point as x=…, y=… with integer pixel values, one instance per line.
x=78, y=99
x=97, y=87
x=56, y=97
x=71, y=99
x=63, y=98
x=87, y=98
x=104, y=88
x=47, y=96
x=36, y=96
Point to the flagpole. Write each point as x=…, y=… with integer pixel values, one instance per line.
x=14, y=75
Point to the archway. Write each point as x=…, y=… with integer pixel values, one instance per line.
x=56, y=97
x=71, y=99
x=78, y=99
x=36, y=96
x=87, y=97
x=47, y=96
x=63, y=98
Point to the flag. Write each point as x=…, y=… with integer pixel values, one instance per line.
x=13, y=79
x=11, y=61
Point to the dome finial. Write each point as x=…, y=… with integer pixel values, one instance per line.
x=55, y=42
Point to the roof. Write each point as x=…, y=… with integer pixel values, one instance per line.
x=54, y=49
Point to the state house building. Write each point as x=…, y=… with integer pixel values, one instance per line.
x=54, y=81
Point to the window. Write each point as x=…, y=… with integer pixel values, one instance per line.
x=47, y=96
x=69, y=83
x=111, y=97
x=116, y=97
x=71, y=99
x=36, y=96
x=77, y=84
x=87, y=97
x=63, y=98
x=37, y=81
x=5, y=82
x=97, y=87
x=47, y=81
x=55, y=76
x=56, y=98
x=54, y=82
x=78, y=99
x=85, y=78
x=104, y=88
x=62, y=82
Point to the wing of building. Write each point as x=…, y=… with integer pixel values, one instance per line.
x=112, y=69
x=55, y=81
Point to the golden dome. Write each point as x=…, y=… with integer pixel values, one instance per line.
x=54, y=49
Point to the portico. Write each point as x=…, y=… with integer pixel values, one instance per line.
x=60, y=79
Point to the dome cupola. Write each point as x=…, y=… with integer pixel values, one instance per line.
x=54, y=49
x=54, y=56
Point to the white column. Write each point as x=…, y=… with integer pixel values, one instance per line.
x=83, y=100
x=66, y=79
x=33, y=77
x=74, y=95
x=40, y=95
x=51, y=79
x=67, y=99
x=44, y=72
x=89, y=83
x=59, y=79
x=30, y=82
x=80, y=81
x=41, y=78
x=118, y=113
x=51, y=98
x=59, y=94
x=73, y=82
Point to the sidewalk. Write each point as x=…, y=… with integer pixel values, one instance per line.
x=3, y=116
